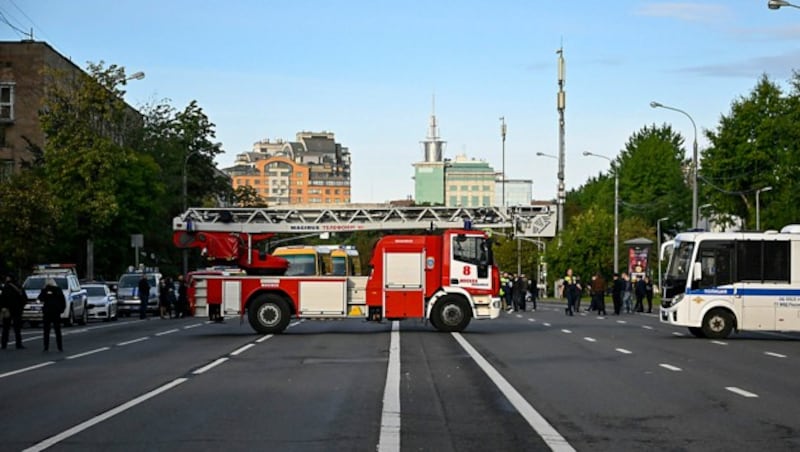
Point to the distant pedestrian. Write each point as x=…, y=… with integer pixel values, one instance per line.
x=627, y=292
x=617, y=287
x=53, y=304
x=520, y=288
x=163, y=297
x=12, y=302
x=640, y=289
x=570, y=289
x=598, y=289
x=580, y=294
x=144, y=296
x=533, y=294
x=648, y=292
x=182, y=302
x=503, y=290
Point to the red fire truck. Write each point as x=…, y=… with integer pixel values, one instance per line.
x=447, y=277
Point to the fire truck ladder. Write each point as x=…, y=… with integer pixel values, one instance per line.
x=527, y=221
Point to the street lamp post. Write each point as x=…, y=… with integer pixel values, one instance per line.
x=616, y=209
x=694, y=159
x=777, y=4
x=758, y=206
x=503, y=180
x=658, y=233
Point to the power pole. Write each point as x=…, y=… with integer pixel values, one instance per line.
x=503, y=180
x=562, y=105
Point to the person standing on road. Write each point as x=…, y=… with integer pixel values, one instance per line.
x=163, y=297
x=532, y=294
x=520, y=288
x=53, y=304
x=648, y=292
x=570, y=289
x=639, y=289
x=182, y=303
x=503, y=283
x=627, y=292
x=144, y=296
x=12, y=302
x=617, y=286
x=599, y=293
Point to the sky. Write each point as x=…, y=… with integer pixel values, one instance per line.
x=368, y=71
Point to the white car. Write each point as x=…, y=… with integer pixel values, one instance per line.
x=102, y=302
x=75, y=295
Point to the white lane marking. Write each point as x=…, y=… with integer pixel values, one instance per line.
x=622, y=350
x=174, y=330
x=776, y=355
x=531, y=320
x=90, y=352
x=262, y=339
x=242, y=349
x=210, y=366
x=719, y=342
x=589, y=339
x=121, y=344
x=600, y=317
x=741, y=392
x=519, y=316
x=566, y=331
x=546, y=324
x=53, y=440
x=675, y=333
x=25, y=369
x=647, y=327
x=193, y=326
x=621, y=321
x=389, y=440
x=670, y=367
x=295, y=323
x=546, y=431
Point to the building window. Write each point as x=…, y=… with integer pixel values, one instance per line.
x=299, y=182
x=6, y=102
x=299, y=191
x=486, y=201
x=474, y=201
x=6, y=169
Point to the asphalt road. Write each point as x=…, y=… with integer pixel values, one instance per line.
x=526, y=381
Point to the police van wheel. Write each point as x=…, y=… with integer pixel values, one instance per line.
x=717, y=324
x=451, y=313
x=269, y=314
x=696, y=332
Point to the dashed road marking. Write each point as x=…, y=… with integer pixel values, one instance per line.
x=25, y=369
x=546, y=324
x=174, y=330
x=193, y=326
x=675, y=333
x=53, y=440
x=600, y=317
x=670, y=367
x=719, y=342
x=531, y=320
x=242, y=349
x=621, y=321
x=566, y=331
x=90, y=352
x=210, y=366
x=741, y=392
x=589, y=339
x=624, y=351
x=133, y=341
x=647, y=327
x=262, y=339
x=776, y=355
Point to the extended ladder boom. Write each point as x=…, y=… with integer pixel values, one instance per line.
x=528, y=221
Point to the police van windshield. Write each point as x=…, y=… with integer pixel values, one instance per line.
x=680, y=261
x=132, y=280
x=38, y=282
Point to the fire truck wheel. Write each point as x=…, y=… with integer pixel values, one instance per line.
x=717, y=324
x=451, y=313
x=268, y=314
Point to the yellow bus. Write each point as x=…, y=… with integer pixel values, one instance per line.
x=303, y=260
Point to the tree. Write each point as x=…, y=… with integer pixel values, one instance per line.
x=247, y=196
x=754, y=146
x=89, y=131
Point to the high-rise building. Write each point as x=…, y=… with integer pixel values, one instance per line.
x=519, y=192
x=314, y=169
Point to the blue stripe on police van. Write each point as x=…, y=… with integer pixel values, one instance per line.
x=746, y=291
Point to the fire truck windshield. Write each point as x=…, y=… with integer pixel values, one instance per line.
x=473, y=250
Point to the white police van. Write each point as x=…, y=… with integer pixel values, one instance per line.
x=128, y=299
x=66, y=277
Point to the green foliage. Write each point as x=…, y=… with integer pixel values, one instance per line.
x=756, y=145
x=247, y=196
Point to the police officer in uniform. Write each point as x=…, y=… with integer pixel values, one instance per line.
x=54, y=303
x=572, y=290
